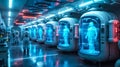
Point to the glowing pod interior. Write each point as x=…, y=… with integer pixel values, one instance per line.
x=51, y=33
x=34, y=32
x=68, y=34
x=41, y=33
x=94, y=42
x=30, y=32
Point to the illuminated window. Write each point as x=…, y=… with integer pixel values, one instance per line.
x=40, y=33
x=64, y=34
x=89, y=35
x=49, y=33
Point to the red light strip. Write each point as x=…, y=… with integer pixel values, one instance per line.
x=76, y=31
x=115, y=30
x=19, y=23
x=25, y=17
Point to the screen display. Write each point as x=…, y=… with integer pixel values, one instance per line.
x=40, y=33
x=49, y=33
x=89, y=32
x=64, y=34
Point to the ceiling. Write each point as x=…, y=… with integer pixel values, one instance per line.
x=23, y=11
x=4, y=8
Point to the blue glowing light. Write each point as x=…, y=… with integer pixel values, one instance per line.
x=86, y=4
x=66, y=10
x=40, y=64
x=66, y=64
x=30, y=50
x=52, y=15
x=33, y=59
x=9, y=59
x=9, y=13
x=10, y=3
x=9, y=19
x=64, y=34
x=9, y=22
x=90, y=2
x=40, y=31
x=49, y=33
x=41, y=52
x=30, y=32
x=33, y=32
x=34, y=49
x=89, y=36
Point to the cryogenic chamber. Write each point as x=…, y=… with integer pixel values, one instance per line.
x=51, y=36
x=98, y=36
x=68, y=34
x=30, y=32
x=41, y=33
x=34, y=33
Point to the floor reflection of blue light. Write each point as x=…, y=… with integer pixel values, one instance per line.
x=43, y=58
x=90, y=52
x=9, y=59
x=30, y=49
x=40, y=52
x=33, y=59
x=40, y=64
x=66, y=64
x=34, y=49
x=21, y=47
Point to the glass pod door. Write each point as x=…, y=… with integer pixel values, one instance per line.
x=64, y=34
x=49, y=33
x=89, y=35
x=40, y=33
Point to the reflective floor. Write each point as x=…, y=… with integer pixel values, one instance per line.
x=38, y=55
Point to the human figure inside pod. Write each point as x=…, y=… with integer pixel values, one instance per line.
x=34, y=32
x=66, y=35
x=40, y=33
x=30, y=32
x=50, y=33
x=91, y=36
x=67, y=40
x=95, y=43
